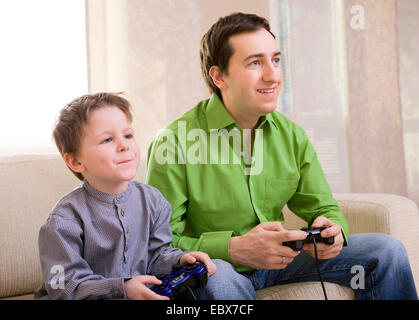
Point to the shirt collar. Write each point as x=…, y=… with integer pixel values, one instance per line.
x=107, y=197
x=218, y=117
x=267, y=118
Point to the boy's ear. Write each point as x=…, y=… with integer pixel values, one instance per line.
x=73, y=163
x=217, y=77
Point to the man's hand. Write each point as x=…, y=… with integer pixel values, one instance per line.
x=262, y=248
x=192, y=257
x=325, y=251
x=136, y=288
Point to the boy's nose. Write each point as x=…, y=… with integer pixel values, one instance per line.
x=123, y=146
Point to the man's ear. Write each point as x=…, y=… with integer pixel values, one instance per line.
x=73, y=163
x=217, y=77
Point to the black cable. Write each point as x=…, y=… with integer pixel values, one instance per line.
x=318, y=269
x=191, y=292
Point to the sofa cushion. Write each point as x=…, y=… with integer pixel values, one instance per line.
x=30, y=186
x=306, y=291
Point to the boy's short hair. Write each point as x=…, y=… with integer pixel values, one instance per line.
x=69, y=127
x=215, y=48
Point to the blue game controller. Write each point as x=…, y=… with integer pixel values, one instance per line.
x=182, y=277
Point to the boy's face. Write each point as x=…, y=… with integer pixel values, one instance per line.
x=108, y=156
x=253, y=81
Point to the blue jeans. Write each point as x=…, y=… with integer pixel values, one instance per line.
x=383, y=260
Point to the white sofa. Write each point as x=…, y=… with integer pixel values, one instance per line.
x=31, y=184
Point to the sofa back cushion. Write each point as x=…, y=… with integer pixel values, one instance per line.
x=30, y=185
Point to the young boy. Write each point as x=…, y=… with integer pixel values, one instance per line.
x=104, y=239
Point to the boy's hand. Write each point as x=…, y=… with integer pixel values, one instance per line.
x=136, y=288
x=192, y=257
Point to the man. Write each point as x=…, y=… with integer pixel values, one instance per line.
x=229, y=165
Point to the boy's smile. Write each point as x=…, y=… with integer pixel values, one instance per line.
x=108, y=156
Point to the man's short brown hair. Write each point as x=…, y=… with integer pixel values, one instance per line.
x=215, y=48
x=69, y=128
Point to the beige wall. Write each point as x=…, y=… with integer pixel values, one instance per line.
x=214, y=9
x=376, y=133
x=408, y=45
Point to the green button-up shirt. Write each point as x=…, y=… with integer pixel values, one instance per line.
x=201, y=164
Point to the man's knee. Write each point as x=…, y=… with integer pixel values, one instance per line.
x=379, y=245
x=227, y=284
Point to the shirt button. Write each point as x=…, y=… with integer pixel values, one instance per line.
x=122, y=212
x=118, y=198
x=126, y=248
x=127, y=229
x=119, y=295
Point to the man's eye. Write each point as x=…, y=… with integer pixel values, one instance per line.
x=255, y=63
x=277, y=61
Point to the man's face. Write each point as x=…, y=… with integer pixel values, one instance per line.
x=109, y=154
x=253, y=79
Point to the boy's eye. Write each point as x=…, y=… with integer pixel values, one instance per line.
x=107, y=140
x=129, y=136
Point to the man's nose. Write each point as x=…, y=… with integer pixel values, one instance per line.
x=272, y=73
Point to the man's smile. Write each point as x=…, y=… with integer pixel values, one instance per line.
x=267, y=91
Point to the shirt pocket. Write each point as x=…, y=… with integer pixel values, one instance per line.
x=277, y=193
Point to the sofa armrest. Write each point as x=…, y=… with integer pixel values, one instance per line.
x=373, y=212
x=386, y=213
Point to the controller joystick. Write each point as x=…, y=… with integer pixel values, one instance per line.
x=190, y=267
x=312, y=234
x=181, y=277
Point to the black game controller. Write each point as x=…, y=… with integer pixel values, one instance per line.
x=297, y=245
x=181, y=278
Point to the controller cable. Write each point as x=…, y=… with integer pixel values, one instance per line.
x=318, y=269
x=191, y=292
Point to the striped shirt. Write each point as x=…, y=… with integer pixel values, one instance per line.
x=93, y=241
